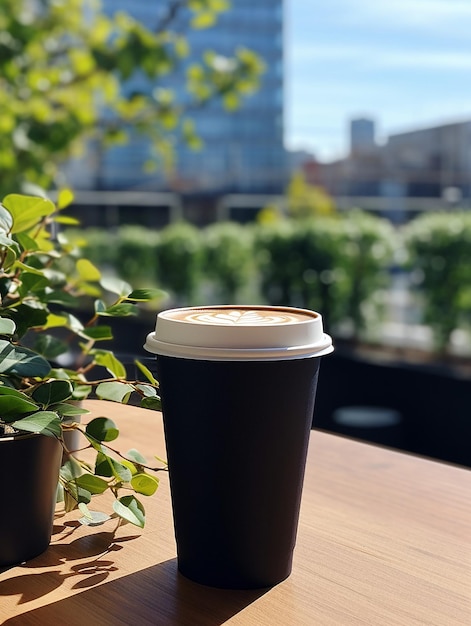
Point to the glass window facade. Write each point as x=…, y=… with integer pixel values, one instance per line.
x=243, y=151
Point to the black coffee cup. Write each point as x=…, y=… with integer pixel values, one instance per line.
x=238, y=386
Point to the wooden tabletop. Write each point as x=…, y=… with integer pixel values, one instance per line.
x=383, y=539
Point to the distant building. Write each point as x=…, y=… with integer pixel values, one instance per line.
x=430, y=160
x=429, y=163
x=243, y=151
x=362, y=136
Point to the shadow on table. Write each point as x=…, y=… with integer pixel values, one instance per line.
x=157, y=595
x=99, y=548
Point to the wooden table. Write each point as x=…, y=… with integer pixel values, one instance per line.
x=384, y=539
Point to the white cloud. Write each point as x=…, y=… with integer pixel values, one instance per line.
x=407, y=14
x=381, y=56
x=452, y=60
x=327, y=52
x=416, y=11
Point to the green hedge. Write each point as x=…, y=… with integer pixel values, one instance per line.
x=339, y=264
x=439, y=248
x=334, y=264
x=179, y=256
x=371, y=245
x=228, y=259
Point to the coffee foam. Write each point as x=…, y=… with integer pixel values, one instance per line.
x=243, y=316
x=239, y=333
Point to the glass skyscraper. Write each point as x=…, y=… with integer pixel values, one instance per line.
x=243, y=150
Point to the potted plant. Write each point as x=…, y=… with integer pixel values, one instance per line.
x=45, y=284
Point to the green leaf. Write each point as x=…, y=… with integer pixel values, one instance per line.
x=108, y=467
x=74, y=324
x=231, y=101
x=68, y=410
x=99, y=333
x=10, y=257
x=27, y=243
x=12, y=405
x=66, y=220
x=49, y=347
x=87, y=271
x=103, y=466
x=7, y=326
x=100, y=307
x=27, y=211
x=146, y=371
x=78, y=494
x=6, y=220
x=59, y=493
x=119, y=310
x=19, y=265
x=31, y=283
x=69, y=471
x=21, y=361
x=93, y=484
x=94, y=518
x=64, y=198
x=10, y=391
x=144, y=484
x=144, y=295
x=53, y=391
x=203, y=20
x=55, y=321
x=81, y=392
x=16, y=393
x=83, y=508
x=131, y=467
x=147, y=390
x=115, y=285
x=27, y=317
x=57, y=296
x=114, y=391
x=107, y=359
x=7, y=242
x=130, y=509
x=136, y=456
x=70, y=502
x=152, y=403
x=102, y=429
x=44, y=422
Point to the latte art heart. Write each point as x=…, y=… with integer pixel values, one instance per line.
x=242, y=318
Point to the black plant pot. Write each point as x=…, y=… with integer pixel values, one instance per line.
x=29, y=472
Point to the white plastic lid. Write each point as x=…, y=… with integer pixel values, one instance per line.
x=245, y=333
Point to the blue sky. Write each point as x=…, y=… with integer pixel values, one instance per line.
x=404, y=63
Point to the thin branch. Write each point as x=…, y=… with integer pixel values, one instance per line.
x=117, y=452
x=173, y=10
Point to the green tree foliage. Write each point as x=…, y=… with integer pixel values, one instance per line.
x=62, y=65
x=439, y=246
x=305, y=200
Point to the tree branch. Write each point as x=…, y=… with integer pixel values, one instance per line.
x=173, y=10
